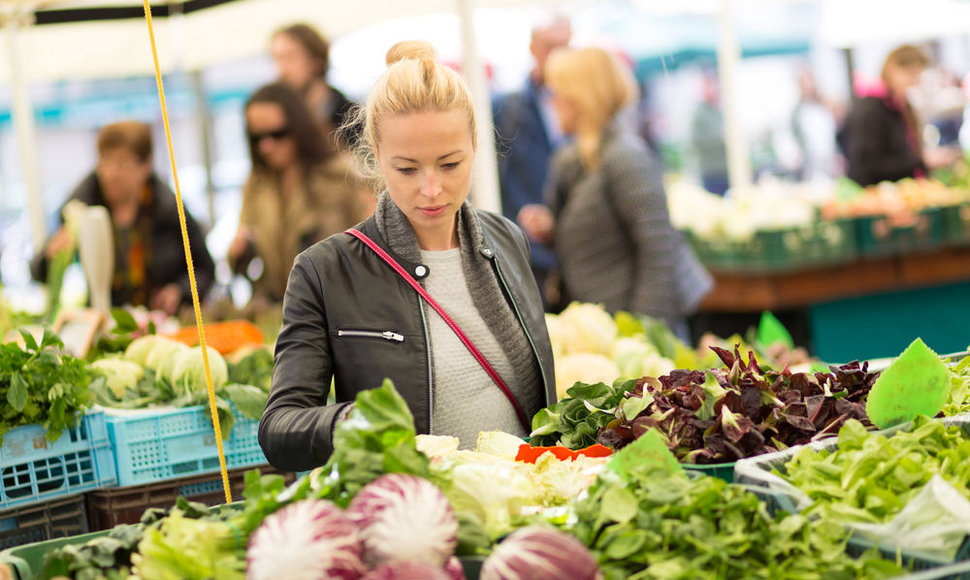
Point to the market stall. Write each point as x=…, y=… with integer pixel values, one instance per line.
x=870, y=267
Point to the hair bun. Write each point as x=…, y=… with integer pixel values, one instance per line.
x=410, y=49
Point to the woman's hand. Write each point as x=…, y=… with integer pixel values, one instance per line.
x=938, y=157
x=537, y=221
x=167, y=298
x=61, y=240
x=239, y=243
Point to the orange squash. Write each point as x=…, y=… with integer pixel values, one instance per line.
x=225, y=337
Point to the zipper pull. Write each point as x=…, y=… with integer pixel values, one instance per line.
x=388, y=335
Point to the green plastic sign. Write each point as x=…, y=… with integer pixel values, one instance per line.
x=916, y=383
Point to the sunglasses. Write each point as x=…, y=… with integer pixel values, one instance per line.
x=275, y=135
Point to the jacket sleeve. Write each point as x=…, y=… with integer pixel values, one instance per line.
x=871, y=158
x=634, y=188
x=296, y=429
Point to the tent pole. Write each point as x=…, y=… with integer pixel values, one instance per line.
x=485, y=189
x=728, y=57
x=23, y=119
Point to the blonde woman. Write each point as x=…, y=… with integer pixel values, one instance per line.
x=350, y=316
x=606, y=210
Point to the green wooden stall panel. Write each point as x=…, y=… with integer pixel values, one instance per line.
x=882, y=325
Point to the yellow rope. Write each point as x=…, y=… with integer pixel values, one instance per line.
x=188, y=258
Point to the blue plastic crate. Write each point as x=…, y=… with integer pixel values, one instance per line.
x=33, y=469
x=154, y=445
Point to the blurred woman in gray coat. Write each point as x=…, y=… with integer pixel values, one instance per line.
x=606, y=210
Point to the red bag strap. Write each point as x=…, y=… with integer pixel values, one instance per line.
x=448, y=320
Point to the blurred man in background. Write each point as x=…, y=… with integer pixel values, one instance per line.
x=528, y=133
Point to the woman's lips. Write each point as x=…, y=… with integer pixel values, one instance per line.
x=433, y=211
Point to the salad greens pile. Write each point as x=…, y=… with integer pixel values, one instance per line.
x=870, y=477
x=576, y=420
x=661, y=524
x=109, y=557
x=958, y=400
x=41, y=384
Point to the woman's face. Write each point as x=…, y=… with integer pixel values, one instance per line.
x=899, y=79
x=566, y=112
x=426, y=159
x=293, y=63
x=269, y=131
x=122, y=175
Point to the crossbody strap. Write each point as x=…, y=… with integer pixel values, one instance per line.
x=448, y=320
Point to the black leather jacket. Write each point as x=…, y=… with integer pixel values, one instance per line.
x=346, y=314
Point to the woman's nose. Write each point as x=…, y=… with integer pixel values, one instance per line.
x=431, y=185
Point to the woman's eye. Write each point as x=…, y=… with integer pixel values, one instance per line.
x=452, y=165
x=406, y=170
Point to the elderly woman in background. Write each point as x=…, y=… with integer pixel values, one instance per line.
x=149, y=263
x=299, y=192
x=606, y=210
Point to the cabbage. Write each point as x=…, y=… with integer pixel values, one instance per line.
x=404, y=518
x=436, y=445
x=490, y=489
x=138, y=349
x=189, y=370
x=540, y=553
x=161, y=347
x=585, y=327
x=588, y=368
x=308, y=540
x=120, y=374
x=499, y=444
x=560, y=482
x=166, y=366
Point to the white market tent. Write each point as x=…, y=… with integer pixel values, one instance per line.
x=195, y=39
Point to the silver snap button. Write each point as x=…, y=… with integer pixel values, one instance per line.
x=487, y=253
x=420, y=271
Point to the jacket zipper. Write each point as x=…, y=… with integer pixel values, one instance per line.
x=518, y=314
x=427, y=342
x=386, y=334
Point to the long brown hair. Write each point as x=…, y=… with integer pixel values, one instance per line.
x=312, y=147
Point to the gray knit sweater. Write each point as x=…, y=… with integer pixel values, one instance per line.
x=613, y=234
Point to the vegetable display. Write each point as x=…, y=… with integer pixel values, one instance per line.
x=658, y=524
x=870, y=477
x=41, y=384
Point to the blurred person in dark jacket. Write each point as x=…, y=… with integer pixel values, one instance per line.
x=528, y=133
x=302, y=58
x=149, y=261
x=882, y=136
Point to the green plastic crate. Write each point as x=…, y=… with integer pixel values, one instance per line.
x=956, y=224
x=26, y=562
x=877, y=236
x=723, y=471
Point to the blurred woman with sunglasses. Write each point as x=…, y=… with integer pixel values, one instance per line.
x=300, y=189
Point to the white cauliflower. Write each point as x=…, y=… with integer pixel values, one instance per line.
x=584, y=367
x=586, y=328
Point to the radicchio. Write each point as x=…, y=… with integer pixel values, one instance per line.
x=404, y=518
x=540, y=553
x=307, y=540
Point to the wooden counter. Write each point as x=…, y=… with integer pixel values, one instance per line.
x=753, y=292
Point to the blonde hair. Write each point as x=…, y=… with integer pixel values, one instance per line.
x=598, y=85
x=905, y=56
x=414, y=82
